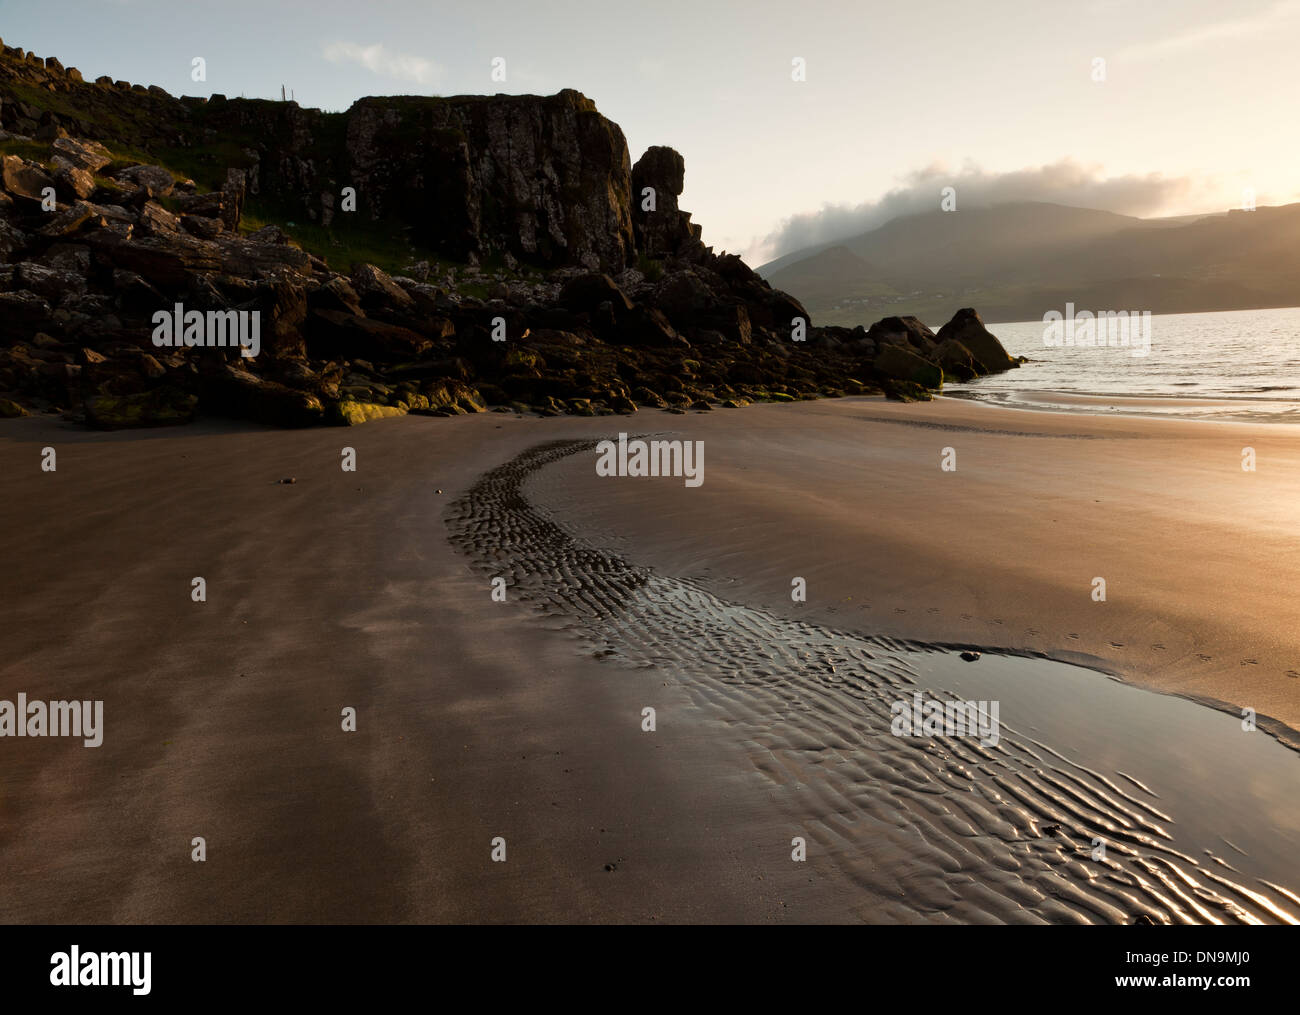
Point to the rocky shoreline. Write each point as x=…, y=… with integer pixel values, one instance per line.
x=558, y=278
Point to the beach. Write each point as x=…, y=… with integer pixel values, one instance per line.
x=523, y=719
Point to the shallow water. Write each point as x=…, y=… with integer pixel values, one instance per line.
x=1199, y=818
x=1247, y=358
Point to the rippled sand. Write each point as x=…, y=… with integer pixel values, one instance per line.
x=931, y=828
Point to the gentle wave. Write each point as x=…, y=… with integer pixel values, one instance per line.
x=1224, y=356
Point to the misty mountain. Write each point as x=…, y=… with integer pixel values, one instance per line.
x=1016, y=261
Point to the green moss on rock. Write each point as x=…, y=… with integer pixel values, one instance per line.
x=351, y=413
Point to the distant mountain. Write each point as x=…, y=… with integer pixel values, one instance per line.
x=1016, y=261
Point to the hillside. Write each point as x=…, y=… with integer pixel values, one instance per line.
x=1017, y=261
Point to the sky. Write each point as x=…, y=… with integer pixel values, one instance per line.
x=1197, y=100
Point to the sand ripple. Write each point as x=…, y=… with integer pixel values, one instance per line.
x=932, y=829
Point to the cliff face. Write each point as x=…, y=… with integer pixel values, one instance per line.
x=546, y=180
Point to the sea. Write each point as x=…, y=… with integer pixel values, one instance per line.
x=1234, y=365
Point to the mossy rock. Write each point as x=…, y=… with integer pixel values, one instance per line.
x=161, y=407
x=622, y=405
x=780, y=396
x=10, y=409
x=906, y=391
x=351, y=413
x=899, y=364
x=523, y=359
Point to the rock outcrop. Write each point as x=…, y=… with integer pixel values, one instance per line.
x=599, y=303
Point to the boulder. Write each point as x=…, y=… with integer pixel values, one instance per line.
x=156, y=220
x=956, y=360
x=350, y=412
x=968, y=328
x=902, y=330
x=586, y=292
x=72, y=219
x=24, y=179
x=71, y=183
x=332, y=334
x=898, y=362
x=90, y=156
x=377, y=289
x=159, y=180
x=230, y=391
x=165, y=406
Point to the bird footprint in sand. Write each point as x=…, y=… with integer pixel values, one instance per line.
x=1250, y=662
x=1073, y=635
x=899, y=609
x=932, y=609
x=967, y=616
x=1292, y=674
x=1033, y=632
x=1203, y=657
x=1158, y=646
x=1116, y=644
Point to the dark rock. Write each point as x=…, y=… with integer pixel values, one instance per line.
x=72, y=184
x=23, y=179
x=333, y=334
x=956, y=360
x=202, y=226
x=155, y=220
x=159, y=180
x=587, y=292
x=664, y=230
x=377, y=289
x=968, y=328
x=70, y=220
x=899, y=363
x=902, y=331
x=164, y=406
x=233, y=392
x=90, y=156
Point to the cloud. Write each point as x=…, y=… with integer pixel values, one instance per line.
x=1063, y=182
x=378, y=60
x=1272, y=19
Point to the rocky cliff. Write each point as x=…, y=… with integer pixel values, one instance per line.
x=595, y=294
x=544, y=179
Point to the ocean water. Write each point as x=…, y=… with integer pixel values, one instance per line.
x=1245, y=361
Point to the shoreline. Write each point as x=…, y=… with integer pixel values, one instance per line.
x=1132, y=406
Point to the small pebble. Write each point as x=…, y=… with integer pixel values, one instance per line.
x=291, y=479
x=970, y=657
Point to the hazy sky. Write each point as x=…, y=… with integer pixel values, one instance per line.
x=1200, y=100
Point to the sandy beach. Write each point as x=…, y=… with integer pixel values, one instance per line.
x=522, y=719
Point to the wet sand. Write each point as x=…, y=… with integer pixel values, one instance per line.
x=479, y=719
